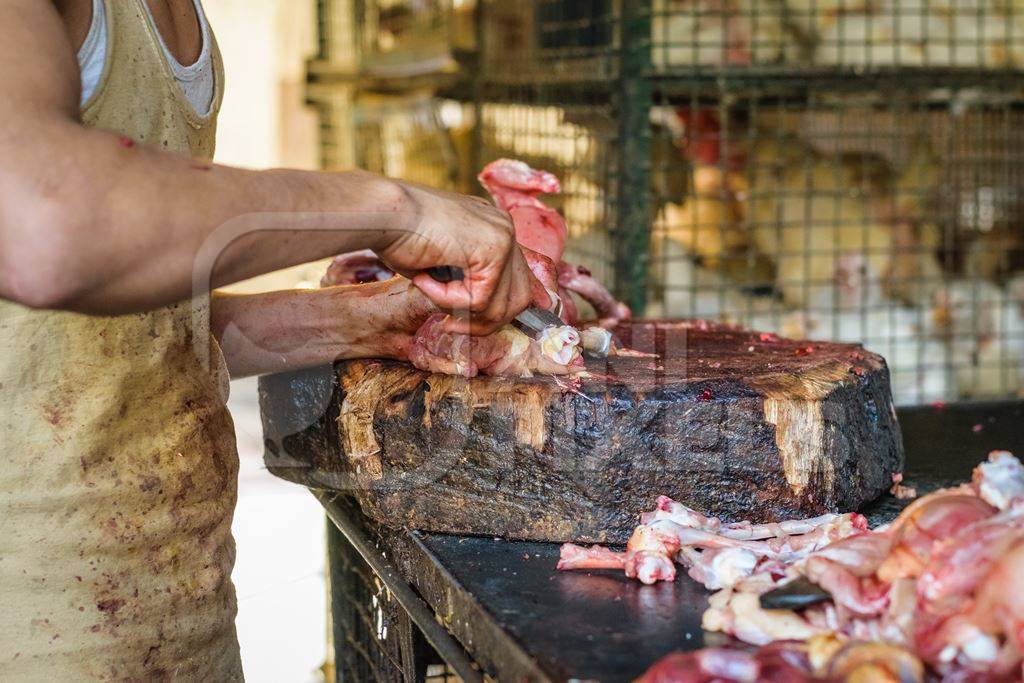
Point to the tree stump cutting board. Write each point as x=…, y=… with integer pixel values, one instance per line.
x=734, y=423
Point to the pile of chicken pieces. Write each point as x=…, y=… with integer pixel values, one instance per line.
x=541, y=233
x=934, y=591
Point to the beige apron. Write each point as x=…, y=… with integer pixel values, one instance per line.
x=118, y=476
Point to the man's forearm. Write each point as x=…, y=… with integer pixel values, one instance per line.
x=144, y=228
x=294, y=329
x=91, y=222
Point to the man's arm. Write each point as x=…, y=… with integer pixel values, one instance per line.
x=301, y=328
x=92, y=223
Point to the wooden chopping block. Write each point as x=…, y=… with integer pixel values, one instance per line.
x=733, y=423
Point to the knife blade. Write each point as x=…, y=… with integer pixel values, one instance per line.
x=795, y=595
x=533, y=321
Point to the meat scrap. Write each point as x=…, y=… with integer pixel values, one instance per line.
x=821, y=658
x=716, y=554
x=936, y=594
x=722, y=665
x=899, y=490
x=356, y=268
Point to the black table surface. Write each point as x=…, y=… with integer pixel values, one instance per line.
x=601, y=626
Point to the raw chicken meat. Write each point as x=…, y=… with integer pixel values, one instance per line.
x=356, y=268
x=937, y=587
x=505, y=352
x=717, y=554
x=819, y=658
x=721, y=665
x=514, y=187
x=610, y=311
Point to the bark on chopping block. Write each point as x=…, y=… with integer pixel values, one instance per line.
x=736, y=424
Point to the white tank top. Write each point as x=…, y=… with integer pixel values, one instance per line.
x=195, y=80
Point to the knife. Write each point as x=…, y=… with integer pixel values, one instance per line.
x=531, y=322
x=795, y=595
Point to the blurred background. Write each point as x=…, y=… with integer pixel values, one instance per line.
x=824, y=169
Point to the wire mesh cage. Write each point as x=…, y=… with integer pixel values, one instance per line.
x=584, y=38
x=567, y=39
x=388, y=38
x=404, y=37
x=829, y=34
x=826, y=169
x=413, y=136
x=374, y=639
x=892, y=221
x=578, y=144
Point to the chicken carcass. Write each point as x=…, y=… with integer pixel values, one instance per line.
x=505, y=352
x=514, y=187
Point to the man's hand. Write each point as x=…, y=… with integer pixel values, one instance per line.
x=450, y=229
x=300, y=328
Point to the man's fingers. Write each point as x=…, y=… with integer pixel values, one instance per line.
x=531, y=288
x=455, y=298
x=496, y=311
x=448, y=296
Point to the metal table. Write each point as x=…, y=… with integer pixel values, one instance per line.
x=499, y=607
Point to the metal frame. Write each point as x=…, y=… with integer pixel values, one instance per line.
x=417, y=610
x=447, y=621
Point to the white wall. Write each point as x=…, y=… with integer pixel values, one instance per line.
x=265, y=43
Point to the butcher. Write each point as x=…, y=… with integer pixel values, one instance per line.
x=118, y=477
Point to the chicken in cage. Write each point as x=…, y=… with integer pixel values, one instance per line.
x=830, y=33
x=840, y=223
